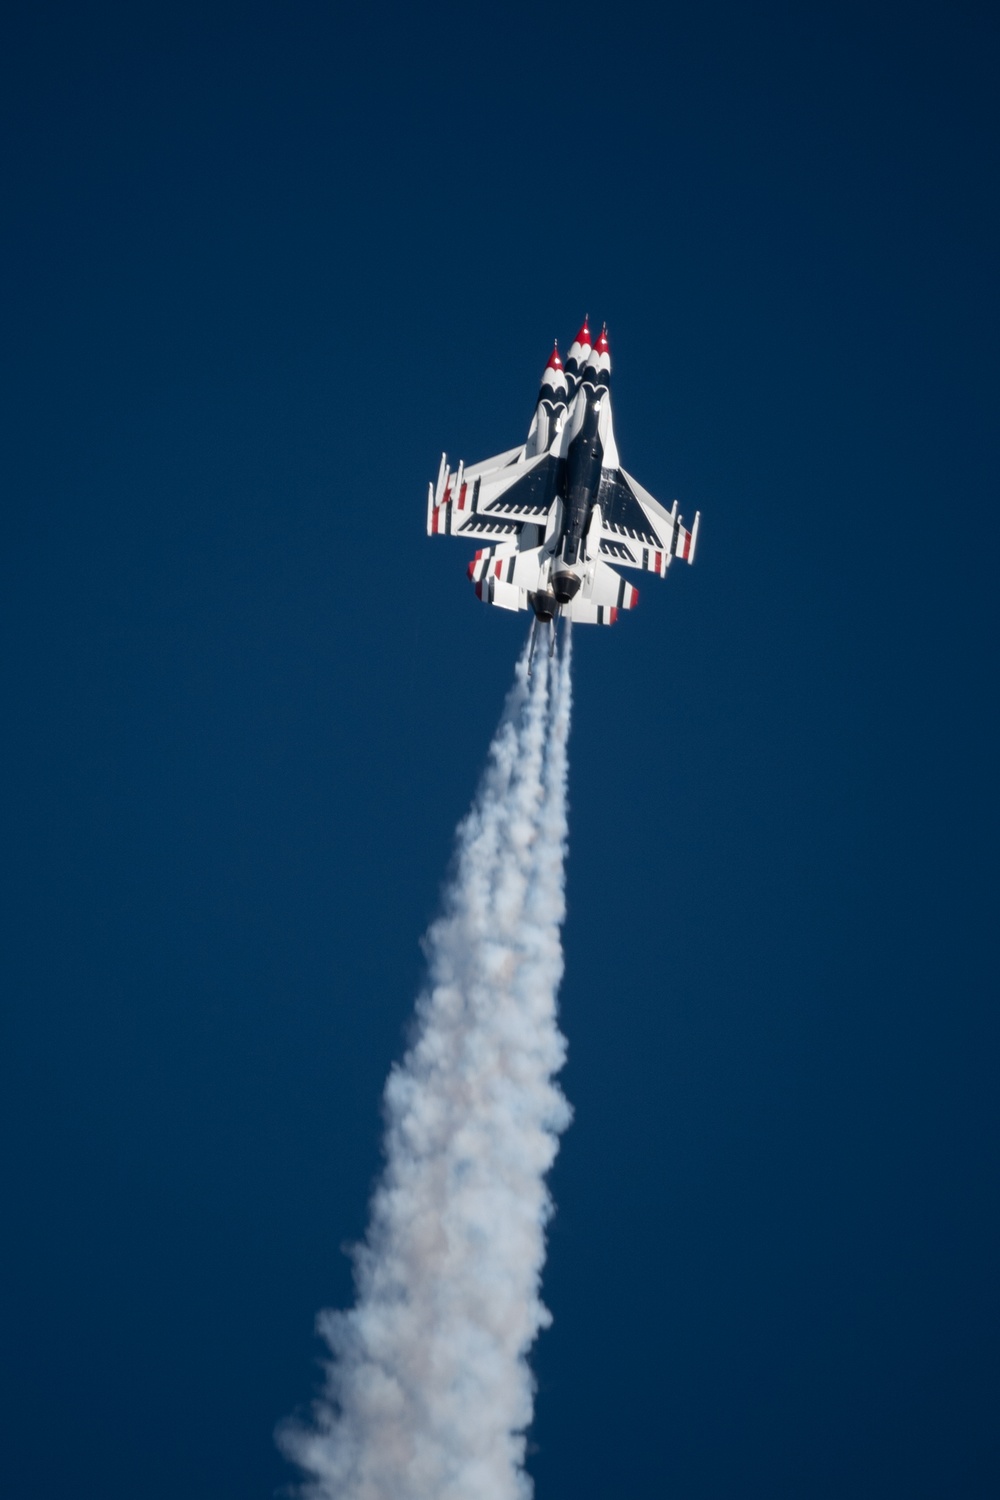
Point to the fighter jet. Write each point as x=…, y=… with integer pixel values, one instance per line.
x=552, y=510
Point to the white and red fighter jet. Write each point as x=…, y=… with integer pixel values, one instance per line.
x=554, y=508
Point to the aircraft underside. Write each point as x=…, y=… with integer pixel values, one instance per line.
x=551, y=516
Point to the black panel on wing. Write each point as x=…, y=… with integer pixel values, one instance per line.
x=530, y=496
x=617, y=550
x=621, y=511
x=484, y=525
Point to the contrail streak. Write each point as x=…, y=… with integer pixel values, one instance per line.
x=428, y=1392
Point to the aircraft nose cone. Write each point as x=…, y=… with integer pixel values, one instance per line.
x=555, y=359
x=599, y=363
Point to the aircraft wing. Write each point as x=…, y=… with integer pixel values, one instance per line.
x=492, y=503
x=636, y=531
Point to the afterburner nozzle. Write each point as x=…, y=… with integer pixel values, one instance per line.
x=565, y=586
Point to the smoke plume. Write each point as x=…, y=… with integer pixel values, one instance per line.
x=428, y=1392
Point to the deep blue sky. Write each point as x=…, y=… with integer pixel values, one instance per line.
x=261, y=264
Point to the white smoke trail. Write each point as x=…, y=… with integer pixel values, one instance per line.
x=428, y=1392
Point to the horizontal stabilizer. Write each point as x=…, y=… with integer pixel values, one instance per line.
x=582, y=612
x=504, y=595
x=508, y=578
x=507, y=565
x=603, y=594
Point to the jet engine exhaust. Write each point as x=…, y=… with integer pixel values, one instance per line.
x=428, y=1391
x=565, y=586
x=545, y=606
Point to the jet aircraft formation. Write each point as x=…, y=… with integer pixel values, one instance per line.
x=553, y=509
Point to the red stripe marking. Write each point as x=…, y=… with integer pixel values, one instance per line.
x=498, y=568
x=614, y=613
x=659, y=561
x=687, y=545
x=434, y=520
x=461, y=497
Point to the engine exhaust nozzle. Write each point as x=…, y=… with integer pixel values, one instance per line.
x=544, y=605
x=565, y=586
